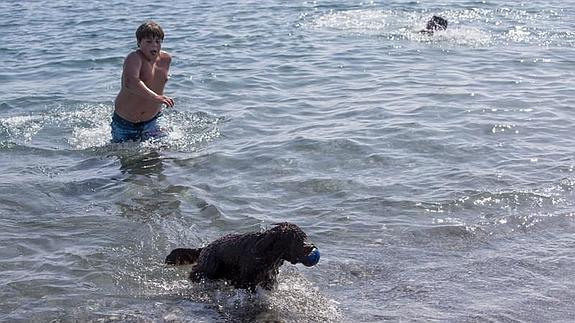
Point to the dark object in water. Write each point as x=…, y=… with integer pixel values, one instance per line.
x=251, y=259
x=435, y=23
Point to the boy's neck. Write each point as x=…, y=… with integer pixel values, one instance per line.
x=150, y=60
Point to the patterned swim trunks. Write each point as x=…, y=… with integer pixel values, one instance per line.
x=124, y=130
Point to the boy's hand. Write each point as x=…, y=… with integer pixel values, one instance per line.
x=165, y=100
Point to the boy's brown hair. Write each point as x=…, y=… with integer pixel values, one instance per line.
x=149, y=29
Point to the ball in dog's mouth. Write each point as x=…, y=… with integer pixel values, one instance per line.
x=312, y=258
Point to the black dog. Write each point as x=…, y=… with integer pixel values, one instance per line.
x=435, y=23
x=250, y=259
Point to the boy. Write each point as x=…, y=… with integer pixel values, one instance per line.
x=144, y=76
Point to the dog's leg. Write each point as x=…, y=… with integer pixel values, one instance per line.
x=208, y=266
x=183, y=256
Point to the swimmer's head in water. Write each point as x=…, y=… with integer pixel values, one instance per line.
x=436, y=23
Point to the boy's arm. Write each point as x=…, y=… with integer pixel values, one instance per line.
x=132, y=81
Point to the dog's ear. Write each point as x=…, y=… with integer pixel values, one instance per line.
x=266, y=241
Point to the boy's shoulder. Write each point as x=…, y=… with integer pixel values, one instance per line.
x=165, y=55
x=134, y=55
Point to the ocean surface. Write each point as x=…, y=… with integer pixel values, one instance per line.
x=434, y=172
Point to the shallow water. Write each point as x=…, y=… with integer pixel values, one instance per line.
x=435, y=173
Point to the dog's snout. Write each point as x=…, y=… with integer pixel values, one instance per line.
x=308, y=247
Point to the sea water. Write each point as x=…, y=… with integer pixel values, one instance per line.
x=434, y=172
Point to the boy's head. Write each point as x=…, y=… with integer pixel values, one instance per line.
x=149, y=29
x=436, y=23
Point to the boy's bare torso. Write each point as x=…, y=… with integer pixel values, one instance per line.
x=136, y=108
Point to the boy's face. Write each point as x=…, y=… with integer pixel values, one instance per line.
x=150, y=47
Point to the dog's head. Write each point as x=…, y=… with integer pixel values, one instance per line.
x=436, y=23
x=288, y=242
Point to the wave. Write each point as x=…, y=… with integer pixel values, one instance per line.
x=468, y=26
x=87, y=126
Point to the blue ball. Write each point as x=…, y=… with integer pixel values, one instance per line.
x=312, y=259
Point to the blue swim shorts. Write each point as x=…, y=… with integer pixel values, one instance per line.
x=124, y=130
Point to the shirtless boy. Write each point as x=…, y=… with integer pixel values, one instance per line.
x=139, y=103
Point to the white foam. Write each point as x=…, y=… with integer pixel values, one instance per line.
x=22, y=128
x=87, y=126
